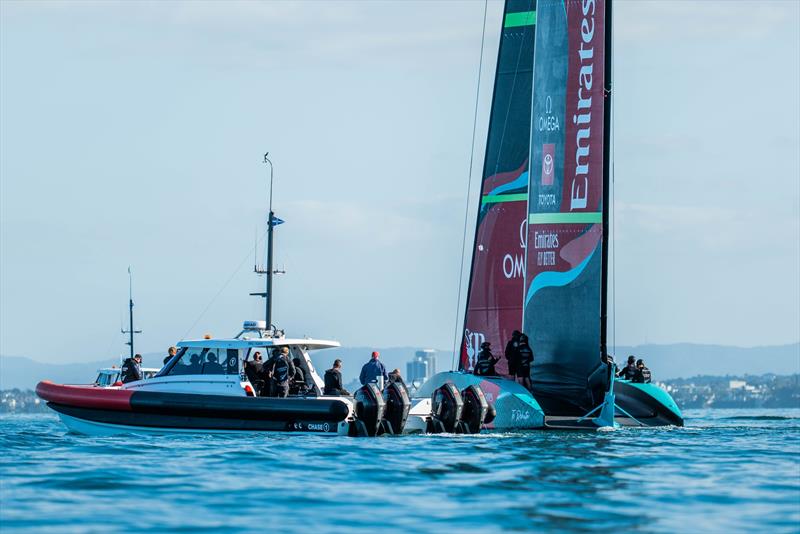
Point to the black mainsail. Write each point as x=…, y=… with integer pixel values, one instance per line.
x=567, y=205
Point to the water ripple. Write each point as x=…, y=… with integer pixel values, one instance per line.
x=726, y=471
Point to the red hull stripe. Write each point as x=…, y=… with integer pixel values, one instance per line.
x=85, y=396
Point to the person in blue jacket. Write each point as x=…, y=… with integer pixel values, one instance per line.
x=372, y=370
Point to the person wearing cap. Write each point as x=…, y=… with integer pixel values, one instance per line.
x=172, y=351
x=629, y=371
x=486, y=361
x=132, y=369
x=373, y=370
x=333, y=380
x=525, y=362
x=280, y=370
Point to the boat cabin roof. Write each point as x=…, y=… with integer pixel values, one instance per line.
x=244, y=343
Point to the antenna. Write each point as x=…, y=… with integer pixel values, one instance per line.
x=130, y=329
x=272, y=222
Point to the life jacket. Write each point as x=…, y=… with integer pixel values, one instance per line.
x=525, y=355
x=645, y=375
x=130, y=371
x=485, y=364
x=629, y=372
x=280, y=370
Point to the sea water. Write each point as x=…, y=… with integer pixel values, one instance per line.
x=727, y=470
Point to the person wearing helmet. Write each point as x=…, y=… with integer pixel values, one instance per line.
x=525, y=362
x=486, y=361
x=374, y=371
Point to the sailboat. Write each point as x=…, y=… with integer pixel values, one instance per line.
x=540, y=255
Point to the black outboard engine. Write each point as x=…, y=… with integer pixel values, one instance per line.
x=395, y=396
x=476, y=408
x=370, y=408
x=446, y=407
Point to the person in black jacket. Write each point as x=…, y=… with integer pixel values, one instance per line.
x=298, y=385
x=170, y=353
x=253, y=370
x=629, y=371
x=642, y=375
x=512, y=353
x=486, y=361
x=281, y=370
x=525, y=362
x=132, y=369
x=333, y=380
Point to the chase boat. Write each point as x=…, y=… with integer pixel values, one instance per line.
x=193, y=392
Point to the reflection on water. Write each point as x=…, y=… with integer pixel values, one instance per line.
x=728, y=470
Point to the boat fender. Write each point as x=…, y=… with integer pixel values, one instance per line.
x=446, y=408
x=249, y=390
x=370, y=407
x=475, y=409
x=398, y=404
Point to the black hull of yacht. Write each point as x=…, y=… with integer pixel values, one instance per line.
x=648, y=405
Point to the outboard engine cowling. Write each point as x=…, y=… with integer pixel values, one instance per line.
x=491, y=413
x=370, y=408
x=395, y=397
x=476, y=407
x=446, y=407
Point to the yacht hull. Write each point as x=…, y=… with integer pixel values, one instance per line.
x=648, y=404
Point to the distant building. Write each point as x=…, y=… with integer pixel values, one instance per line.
x=737, y=384
x=422, y=367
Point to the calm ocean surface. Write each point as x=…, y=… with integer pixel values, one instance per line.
x=727, y=470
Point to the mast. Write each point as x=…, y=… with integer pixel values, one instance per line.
x=272, y=222
x=607, y=94
x=130, y=331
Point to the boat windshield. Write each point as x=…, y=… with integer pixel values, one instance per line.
x=204, y=361
x=107, y=377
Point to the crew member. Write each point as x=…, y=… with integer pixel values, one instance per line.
x=170, y=353
x=629, y=371
x=253, y=370
x=525, y=362
x=132, y=369
x=333, y=380
x=281, y=370
x=395, y=376
x=298, y=385
x=486, y=361
x=212, y=365
x=374, y=370
x=512, y=353
x=643, y=374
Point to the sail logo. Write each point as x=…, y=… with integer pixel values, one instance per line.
x=548, y=163
x=474, y=340
x=514, y=265
x=582, y=119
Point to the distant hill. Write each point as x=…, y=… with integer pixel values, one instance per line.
x=666, y=361
x=685, y=359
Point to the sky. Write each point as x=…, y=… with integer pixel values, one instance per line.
x=133, y=133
